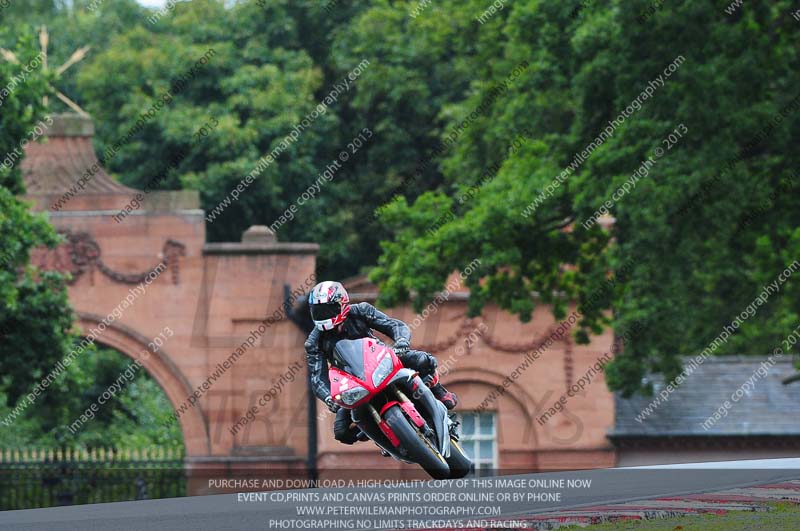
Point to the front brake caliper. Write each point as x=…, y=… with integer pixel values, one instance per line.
x=454, y=424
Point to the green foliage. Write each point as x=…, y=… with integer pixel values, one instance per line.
x=71, y=24
x=704, y=230
x=135, y=417
x=35, y=317
x=694, y=269
x=258, y=84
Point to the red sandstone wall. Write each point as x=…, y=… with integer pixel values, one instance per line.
x=575, y=438
x=244, y=291
x=211, y=301
x=213, y=297
x=221, y=294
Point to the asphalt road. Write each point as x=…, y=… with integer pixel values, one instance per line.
x=527, y=494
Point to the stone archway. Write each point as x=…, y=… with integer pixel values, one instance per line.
x=194, y=425
x=481, y=383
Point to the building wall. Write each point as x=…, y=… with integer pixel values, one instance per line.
x=211, y=297
x=210, y=301
x=213, y=300
x=477, y=355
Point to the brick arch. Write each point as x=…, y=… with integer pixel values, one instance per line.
x=159, y=365
x=490, y=380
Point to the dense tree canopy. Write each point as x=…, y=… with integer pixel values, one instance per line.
x=709, y=224
x=35, y=317
x=494, y=136
x=36, y=320
x=257, y=84
x=136, y=416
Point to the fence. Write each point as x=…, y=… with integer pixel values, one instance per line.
x=33, y=478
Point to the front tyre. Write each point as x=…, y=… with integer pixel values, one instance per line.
x=417, y=446
x=460, y=465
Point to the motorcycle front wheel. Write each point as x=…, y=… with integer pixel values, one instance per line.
x=460, y=464
x=417, y=446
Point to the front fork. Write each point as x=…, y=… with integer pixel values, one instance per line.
x=413, y=414
x=433, y=409
x=384, y=435
x=408, y=408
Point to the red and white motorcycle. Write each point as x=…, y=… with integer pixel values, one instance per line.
x=395, y=409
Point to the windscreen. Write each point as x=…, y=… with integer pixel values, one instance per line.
x=349, y=356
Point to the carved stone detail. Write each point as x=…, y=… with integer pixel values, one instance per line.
x=468, y=325
x=569, y=361
x=462, y=332
x=81, y=253
x=520, y=348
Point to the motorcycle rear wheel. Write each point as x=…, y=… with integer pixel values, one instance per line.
x=419, y=448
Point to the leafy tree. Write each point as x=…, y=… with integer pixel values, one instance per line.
x=697, y=263
x=274, y=62
x=417, y=67
x=70, y=25
x=709, y=224
x=255, y=86
x=135, y=417
x=35, y=316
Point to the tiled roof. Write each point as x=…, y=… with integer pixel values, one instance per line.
x=769, y=408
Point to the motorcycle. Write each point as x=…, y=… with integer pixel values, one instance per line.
x=394, y=408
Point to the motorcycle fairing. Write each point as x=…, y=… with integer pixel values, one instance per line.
x=356, y=361
x=348, y=356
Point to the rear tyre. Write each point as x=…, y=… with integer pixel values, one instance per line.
x=460, y=465
x=419, y=448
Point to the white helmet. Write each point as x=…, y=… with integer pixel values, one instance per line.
x=329, y=304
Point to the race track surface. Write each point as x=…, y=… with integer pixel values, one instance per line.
x=234, y=512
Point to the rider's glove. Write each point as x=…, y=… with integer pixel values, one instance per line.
x=333, y=406
x=432, y=363
x=427, y=367
x=401, y=346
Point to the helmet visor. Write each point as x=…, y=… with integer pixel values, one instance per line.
x=325, y=311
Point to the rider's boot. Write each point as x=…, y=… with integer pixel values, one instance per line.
x=449, y=399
